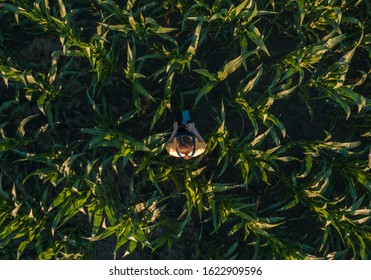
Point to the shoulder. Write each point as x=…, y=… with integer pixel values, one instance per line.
x=200, y=147
x=171, y=148
x=200, y=144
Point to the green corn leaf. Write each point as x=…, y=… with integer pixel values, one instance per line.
x=128, y=116
x=156, y=28
x=224, y=187
x=195, y=39
x=226, y=162
x=255, y=36
x=113, y=9
x=124, y=28
x=289, y=205
x=284, y=93
x=250, y=113
x=21, y=130
x=356, y=97
x=269, y=223
x=21, y=248
x=361, y=178
x=98, y=218
x=130, y=64
x=276, y=122
x=120, y=242
x=260, y=137
x=341, y=146
x=139, y=88
x=308, y=167
x=76, y=204
x=62, y=9
x=11, y=7
x=245, y=216
x=236, y=11
x=57, y=219
x=231, y=249
x=63, y=196
x=230, y=67
x=253, y=82
x=144, y=8
x=301, y=6
x=204, y=91
x=205, y=73
x=337, y=98
x=165, y=103
x=356, y=205
x=330, y=43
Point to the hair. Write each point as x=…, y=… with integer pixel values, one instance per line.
x=185, y=146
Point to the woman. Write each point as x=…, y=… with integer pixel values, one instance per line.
x=185, y=142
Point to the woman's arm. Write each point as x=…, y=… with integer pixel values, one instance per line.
x=173, y=134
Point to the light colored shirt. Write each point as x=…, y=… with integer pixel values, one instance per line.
x=171, y=148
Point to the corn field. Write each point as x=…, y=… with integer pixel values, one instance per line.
x=278, y=89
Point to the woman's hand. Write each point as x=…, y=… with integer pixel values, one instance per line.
x=175, y=126
x=191, y=127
